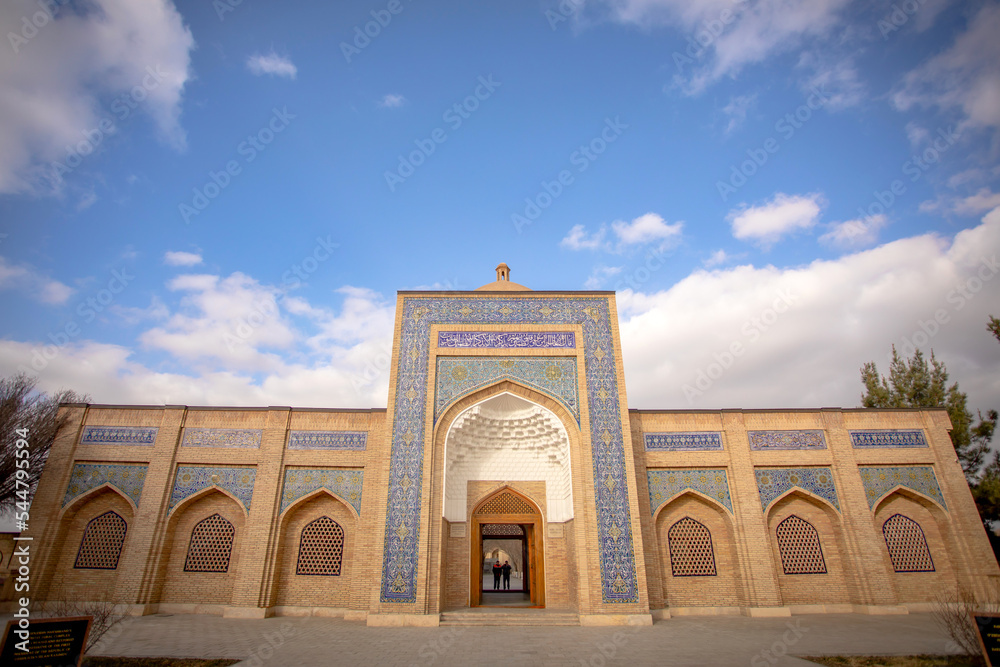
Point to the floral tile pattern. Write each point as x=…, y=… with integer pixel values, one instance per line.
x=772, y=482
x=878, y=481
x=301, y=481
x=665, y=484
x=553, y=376
x=119, y=435
x=192, y=479
x=888, y=438
x=699, y=441
x=247, y=438
x=763, y=440
x=126, y=477
x=413, y=406
x=356, y=440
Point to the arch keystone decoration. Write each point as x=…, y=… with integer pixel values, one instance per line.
x=775, y=483
x=127, y=479
x=879, y=482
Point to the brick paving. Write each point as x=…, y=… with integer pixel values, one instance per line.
x=695, y=641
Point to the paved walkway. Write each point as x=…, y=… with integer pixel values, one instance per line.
x=696, y=641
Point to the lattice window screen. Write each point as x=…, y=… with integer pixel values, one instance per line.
x=506, y=503
x=502, y=529
x=102, y=543
x=798, y=543
x=211, y=545
x=321, y=548
x=907, y=545
x=691, y=553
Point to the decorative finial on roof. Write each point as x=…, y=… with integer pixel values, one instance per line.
x=503, y=272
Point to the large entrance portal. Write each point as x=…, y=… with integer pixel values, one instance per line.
x=507, y=527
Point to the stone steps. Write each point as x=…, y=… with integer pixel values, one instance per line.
x=509, y=618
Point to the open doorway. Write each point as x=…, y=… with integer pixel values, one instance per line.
x=507, y=529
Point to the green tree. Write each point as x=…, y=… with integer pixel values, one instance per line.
x=993, y=326
x=915, y=383
x=27, y=412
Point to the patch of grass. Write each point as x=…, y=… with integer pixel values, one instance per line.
x=101, y=661
x=896, y=661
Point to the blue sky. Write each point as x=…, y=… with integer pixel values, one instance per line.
x=214, y=203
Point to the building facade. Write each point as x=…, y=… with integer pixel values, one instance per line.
x=506, y=419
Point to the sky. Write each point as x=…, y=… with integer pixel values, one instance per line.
x=214, y=203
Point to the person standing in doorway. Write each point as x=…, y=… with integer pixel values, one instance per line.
x=496, y=575
x=506, y=575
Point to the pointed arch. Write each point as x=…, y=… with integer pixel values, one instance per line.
x=907, y=545
x=211, y=545
x=312, y=495
x=808, y=496
x=697, y=495
x=321, y=548
x=497, y=496
x=81, y=500
x=691, y=551
x=930, y=503
x=202, y=493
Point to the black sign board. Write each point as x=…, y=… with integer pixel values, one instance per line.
x=988, y=630
x=52, y=642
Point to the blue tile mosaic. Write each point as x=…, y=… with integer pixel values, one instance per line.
x=127, y=478
x=878, y=481
x=501, y=339
x=698, y=441
x=888, y=438
x=553, y=376
x=665, y=484
x=356, y=440
x=119, y=435
x=192, y=479
x=403, y=508
x=763, y=440
x=345, y=483
x=244, y=438
x=772, y=482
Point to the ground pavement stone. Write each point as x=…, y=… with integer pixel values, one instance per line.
x=691, y=640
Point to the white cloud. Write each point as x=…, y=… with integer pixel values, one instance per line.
x=916, y=134
x=782, y=215
x=600, y=274
x=271, y=63
x=181, y=258
x=844, y=312
x=29, y=281
x=736, y=111
x=838, y=80
x=55, y=84
x=645, y=229
x=751, y=32
x=716, y=258
x=578, y=239
x=392, y=101
x=984, y=200
x=854, y=233
x=963, y=77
